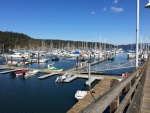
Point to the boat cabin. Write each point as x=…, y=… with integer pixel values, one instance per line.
x=50, y=65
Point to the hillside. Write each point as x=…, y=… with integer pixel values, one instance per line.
x=15, y=40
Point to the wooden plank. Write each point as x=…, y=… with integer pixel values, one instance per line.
x=145, y=105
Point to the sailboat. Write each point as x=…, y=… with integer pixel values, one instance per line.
x=131, y=53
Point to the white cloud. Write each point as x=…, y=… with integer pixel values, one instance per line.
x=115, y=1
x=115, y=9
x=104, y=9
x=93, y=13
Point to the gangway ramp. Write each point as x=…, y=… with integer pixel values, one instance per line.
x=113, y=66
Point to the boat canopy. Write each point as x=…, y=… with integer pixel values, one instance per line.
x=76, y=52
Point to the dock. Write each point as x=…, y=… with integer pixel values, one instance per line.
x=9, y=71
x=47, y=75
x=2, y=68
x=135, y=88
x=92, y=96
x=92, y=77
x=106, y=95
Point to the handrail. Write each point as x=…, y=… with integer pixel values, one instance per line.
x=105, y=100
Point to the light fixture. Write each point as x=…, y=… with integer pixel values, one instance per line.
x=148, y=5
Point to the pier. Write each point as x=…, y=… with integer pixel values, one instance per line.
x=135, y=87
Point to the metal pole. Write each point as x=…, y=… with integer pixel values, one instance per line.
x=137, y=32
x=77, y=64
x=3, y=49
x=89, y=73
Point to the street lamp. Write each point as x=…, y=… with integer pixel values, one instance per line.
x=148, y=5
x=137, y=28
x=137, y=32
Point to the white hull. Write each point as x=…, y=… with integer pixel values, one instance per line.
x=63, y=77
x=80, y=94
x=31, y=73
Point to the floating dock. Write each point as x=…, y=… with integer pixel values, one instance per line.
x=92, y=77
x=2, y=68
x=47, y=75
x=9, y=71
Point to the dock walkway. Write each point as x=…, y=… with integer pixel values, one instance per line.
x=47, y=75
x=2, y=68
x=9, y=71
x=145, y=104
x=92, y=77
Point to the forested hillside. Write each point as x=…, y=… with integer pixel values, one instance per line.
x=13, y=40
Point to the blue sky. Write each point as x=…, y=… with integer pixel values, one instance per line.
x=111, y=21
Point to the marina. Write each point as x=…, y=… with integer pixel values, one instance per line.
x=74, y=56
x=67, y=88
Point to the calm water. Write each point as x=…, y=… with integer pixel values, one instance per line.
x=42, y=96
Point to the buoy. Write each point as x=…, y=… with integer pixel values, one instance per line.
x=123, y=75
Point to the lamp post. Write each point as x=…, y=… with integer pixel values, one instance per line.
x=137, y=28
x=137, y=31
x=148, y=4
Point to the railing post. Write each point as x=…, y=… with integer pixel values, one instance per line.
x=128, y=86
x=114, y=104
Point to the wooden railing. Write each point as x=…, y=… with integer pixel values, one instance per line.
x=131, y=86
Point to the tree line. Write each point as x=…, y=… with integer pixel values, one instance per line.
x=14, y=40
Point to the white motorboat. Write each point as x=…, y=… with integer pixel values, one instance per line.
x=63, y=77
x=51, y=67
x=11, y=62
x=80, y=94
x=131, y=54
x=31, y=73
x=42, y=60
x=16, y=55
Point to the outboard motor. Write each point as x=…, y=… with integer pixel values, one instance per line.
x=13, y=75
x=23, y=75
